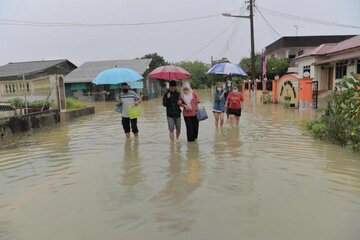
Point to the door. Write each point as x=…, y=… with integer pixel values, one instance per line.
x=331, y=79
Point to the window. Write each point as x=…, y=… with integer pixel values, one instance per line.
x=307, y=69
x=358, y=66
x=301, y=52
x=341, y=69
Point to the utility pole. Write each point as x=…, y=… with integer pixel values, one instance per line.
x=251, y=17
x=253, y=77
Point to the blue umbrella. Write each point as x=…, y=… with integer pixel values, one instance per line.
x=227, y=69
x=116, y=76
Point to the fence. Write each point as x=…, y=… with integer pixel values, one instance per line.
x=101, y=96
x=22, y=96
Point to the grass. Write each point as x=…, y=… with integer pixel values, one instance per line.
x=72, y=104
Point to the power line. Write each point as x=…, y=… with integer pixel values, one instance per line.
x=213, y=40
x=9, y=22
x=306, y=19
x=267, y=22
x=234, y=30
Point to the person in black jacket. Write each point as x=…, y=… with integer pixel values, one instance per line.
x=173, y=111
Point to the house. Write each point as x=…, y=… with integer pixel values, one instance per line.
x=294, y=46
x=330, y=62
x=79, y=84
x=35, y=80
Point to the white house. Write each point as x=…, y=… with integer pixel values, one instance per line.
x=330, y=62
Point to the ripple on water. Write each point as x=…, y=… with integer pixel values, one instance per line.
x=260, y=174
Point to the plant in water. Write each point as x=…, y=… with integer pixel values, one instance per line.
x=340, y=123
x=72, y=104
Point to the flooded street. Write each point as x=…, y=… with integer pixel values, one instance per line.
x=265, y=180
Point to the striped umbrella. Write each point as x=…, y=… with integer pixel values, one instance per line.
x=170, y=72
x=227, y=69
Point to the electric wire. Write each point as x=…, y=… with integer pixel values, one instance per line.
x=213, y=40
x=306, y=19
x=268, y=23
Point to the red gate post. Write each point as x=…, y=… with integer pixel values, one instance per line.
x=305, y=93
x=274, y=90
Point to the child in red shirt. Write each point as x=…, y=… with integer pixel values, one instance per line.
x=234, y=103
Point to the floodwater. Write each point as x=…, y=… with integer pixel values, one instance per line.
x=265, y=180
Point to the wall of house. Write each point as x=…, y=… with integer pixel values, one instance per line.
x=34, y=89
x=308, y=61
x=152, y=88
x=285, y=52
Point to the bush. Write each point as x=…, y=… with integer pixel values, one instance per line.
x=17, y=102
x=39, y=103
x=72, y=104
x=341, y=122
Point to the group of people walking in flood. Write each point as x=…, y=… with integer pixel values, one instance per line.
x=228, y=100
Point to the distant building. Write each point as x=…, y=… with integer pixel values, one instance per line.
x=34, y=79
x=294, y=46
x=330, y=62
x=78, y=83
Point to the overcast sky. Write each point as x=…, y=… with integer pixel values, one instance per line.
x=174, y=41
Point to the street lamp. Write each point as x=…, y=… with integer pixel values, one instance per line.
x=251, y=17
x=237, y=16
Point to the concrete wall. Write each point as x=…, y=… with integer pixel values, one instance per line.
x=21, y=124
x=70, y=115
x=12, y=126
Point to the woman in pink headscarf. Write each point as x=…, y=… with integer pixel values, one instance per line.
x=189, y=100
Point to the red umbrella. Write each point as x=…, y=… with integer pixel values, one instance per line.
x=170, y=72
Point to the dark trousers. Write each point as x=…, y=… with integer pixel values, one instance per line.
x=126, y=122
x=192, y=128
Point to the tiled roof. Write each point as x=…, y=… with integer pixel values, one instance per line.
x=89, y=70
x=20, y=68
x=350, y=43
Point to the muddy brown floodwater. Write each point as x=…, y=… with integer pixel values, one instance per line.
x=265, y=180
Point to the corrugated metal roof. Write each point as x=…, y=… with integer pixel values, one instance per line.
x=89, y=70
x=338, y=57
x=353, y=42
x=305, y=41
x=20, y=68
x=320, y=50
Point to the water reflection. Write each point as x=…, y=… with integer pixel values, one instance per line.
x=131, y=168
x=175, y=212
x=265, y=180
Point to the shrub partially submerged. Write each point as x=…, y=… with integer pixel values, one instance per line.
x=341, y=122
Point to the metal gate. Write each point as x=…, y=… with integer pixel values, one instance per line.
x=315, y=94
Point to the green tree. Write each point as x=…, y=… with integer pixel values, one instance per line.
x=198, y=70
x=157, y=61
x=277, y=66
x=245, y=64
